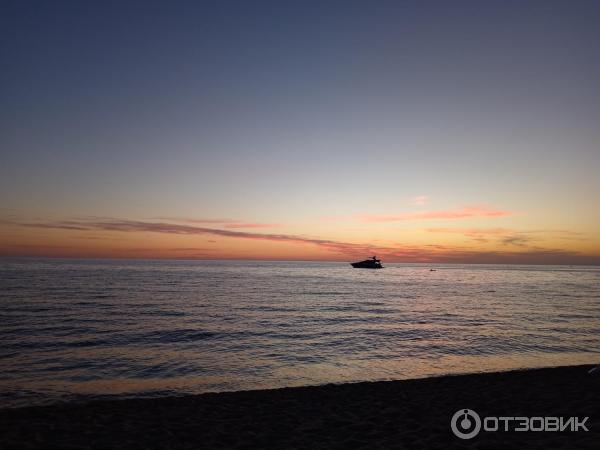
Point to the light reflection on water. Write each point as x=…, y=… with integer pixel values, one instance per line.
x=91, y=327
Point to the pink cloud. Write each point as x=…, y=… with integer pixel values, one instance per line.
x=460, y=213
x=420, y=200
x=335, y=218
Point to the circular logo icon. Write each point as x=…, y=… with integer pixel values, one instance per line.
x=465, y=423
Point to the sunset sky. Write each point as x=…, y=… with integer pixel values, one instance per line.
x=417, y=131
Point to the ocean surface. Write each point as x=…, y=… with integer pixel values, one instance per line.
x=73, y=330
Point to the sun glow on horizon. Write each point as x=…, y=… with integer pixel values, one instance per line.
x=421, y=236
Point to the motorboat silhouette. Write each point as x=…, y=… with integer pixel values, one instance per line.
x=372, y=263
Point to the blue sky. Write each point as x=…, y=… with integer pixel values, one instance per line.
x=285, y=112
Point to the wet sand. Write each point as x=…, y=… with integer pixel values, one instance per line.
x=412, y=414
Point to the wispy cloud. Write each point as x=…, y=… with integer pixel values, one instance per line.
x=125, y=225
x=225, y=223
x=61, y=224
x=481, y=235
x=470, y=231
x=517, y=239
x=346, y=250
x=419, y=200
x=198, y=220
x=508, y=236
x=252, y=225
x=460, y=213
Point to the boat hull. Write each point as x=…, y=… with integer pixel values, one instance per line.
x=366, y=265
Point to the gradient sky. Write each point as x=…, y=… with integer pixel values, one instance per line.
x=419, y=131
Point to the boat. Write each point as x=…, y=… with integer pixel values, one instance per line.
x=372, y=263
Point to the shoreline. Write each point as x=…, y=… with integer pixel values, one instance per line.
x=412, y=413
x=84, y=399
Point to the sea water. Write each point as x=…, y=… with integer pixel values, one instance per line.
x=80, y=329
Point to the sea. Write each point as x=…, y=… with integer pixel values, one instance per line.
x=74, y=330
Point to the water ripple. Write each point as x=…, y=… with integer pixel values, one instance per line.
x=73, y=328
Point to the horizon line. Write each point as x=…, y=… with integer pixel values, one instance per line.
x=131, y=258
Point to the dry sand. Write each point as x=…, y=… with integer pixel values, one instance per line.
x=413, y=414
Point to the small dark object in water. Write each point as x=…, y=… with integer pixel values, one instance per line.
x=432, y=270
x=372, y=263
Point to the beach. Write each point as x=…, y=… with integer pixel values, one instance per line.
x=194, y=197
x=411, y=414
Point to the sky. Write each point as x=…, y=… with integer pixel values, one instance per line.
x=418, y=131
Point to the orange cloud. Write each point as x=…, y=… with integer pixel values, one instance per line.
x=477, y=234
x=507, y=236
x=252, y=225
x=227, y=223
x=461, y=213
x=346, y=250
x=125, y=225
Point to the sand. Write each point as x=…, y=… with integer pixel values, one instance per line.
x=412, y=414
